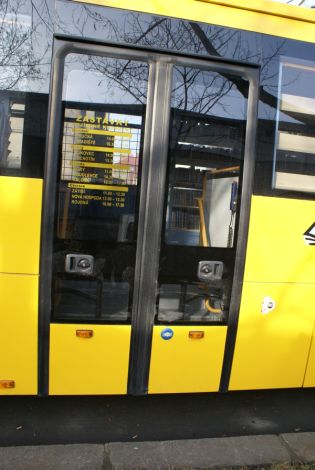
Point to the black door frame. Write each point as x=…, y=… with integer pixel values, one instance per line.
x=155, y=151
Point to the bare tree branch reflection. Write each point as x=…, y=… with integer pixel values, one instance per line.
x=23, y=46
x=179, y=36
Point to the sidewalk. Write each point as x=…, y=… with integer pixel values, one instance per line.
x=248, y=451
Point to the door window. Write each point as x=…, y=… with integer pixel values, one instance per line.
x=103, y=109
x=205, y=163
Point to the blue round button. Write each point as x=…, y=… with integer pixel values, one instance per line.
x=167, y=333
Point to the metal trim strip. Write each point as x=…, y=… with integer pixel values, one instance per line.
x=156, y=146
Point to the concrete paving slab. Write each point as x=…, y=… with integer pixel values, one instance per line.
x=302, y=445
x=52, y=457
x=199, y=453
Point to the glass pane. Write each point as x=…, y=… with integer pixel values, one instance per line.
x=11, y=128
x=23, y=120
x=294, y=155
x=204, y=182
x=99, y=186
x=26, y=33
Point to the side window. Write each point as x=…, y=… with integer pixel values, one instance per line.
x=26, y=31
x=294, y=158
x=11, y=127
x=23, y=120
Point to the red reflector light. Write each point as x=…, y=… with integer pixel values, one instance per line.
x=84, y=333
x=7, y=384
x=196, y=334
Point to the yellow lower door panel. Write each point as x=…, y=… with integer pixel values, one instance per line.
x=18, y=334
x=272, y=348
x=183, y=364
x=89, y=359
x=309, y=380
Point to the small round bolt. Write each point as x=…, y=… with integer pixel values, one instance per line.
x=84, y=263
x=205, y=269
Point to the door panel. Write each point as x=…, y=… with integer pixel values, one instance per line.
x=89, y=365
x=184, y=363
x=199, y=242
x=272, y=348
x=95, y=157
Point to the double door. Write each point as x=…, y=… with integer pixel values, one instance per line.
x=146, y=202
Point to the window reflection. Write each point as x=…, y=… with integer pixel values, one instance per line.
x=294, y=167
x=25, y=41
x=101, y=145
x=205, y=159
x=23, y=118
x=11, y=128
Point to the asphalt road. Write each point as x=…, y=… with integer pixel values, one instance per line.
x=62, y=420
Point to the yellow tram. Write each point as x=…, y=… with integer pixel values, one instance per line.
x=157, y=196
